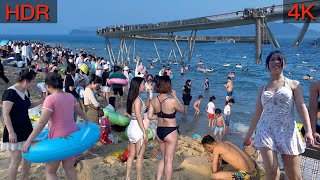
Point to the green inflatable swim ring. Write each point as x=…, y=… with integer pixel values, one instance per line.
x=148, y=131
x=116, y=118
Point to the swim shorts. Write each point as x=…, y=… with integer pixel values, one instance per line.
x=118, y=90
x=242, y=175
x=229, y=93
x=218, y=129
x=210, y=116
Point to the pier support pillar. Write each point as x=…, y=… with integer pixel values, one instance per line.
x=258, y=40
x=271, y=37
x=302, y=33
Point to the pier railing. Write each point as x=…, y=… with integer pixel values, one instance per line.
x=239, y=15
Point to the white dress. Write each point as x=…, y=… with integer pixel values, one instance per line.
x=277, y=127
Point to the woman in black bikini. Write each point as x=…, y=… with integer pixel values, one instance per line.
x=164, y=109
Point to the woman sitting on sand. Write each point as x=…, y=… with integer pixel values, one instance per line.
x=18, y=126
x=136, y=130
x=167, y=131
x=58, y=108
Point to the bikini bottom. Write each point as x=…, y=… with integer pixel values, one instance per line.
x=162, y=132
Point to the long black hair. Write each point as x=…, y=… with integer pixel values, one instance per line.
x=133, y=92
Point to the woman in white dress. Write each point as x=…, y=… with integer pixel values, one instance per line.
x=274, y=122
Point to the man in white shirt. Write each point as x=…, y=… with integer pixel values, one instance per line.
x=24, y=53
x=79, y=60
x=99, y=67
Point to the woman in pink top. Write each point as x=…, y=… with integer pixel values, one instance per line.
x=58, y=108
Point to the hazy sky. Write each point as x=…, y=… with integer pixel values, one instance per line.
x=73, y=14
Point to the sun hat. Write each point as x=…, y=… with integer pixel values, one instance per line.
x=84, y=68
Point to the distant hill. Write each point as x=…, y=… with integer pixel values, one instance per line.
x=278, y=29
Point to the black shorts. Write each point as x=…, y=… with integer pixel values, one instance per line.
x=118, y=90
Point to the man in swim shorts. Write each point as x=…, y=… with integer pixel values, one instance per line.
x=231, y=154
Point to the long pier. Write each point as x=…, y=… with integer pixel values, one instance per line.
x=257, y=16
x=200, y=39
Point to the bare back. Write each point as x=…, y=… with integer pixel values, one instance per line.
x=167, y=108
x=229, y=86
x=236, y=157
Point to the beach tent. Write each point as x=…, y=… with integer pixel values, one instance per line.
x=4, y=42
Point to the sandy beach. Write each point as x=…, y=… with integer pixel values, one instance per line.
x=107, y=165
x=189, y=163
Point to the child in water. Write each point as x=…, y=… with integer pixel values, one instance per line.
x=196, y=105
x=227, y=113
x=220, y=125
x=211, y=109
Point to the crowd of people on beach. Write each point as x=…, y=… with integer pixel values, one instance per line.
x=78, y=87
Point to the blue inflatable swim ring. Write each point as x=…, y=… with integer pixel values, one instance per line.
x=62, y=148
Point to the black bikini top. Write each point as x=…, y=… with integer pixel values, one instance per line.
x=164, y=115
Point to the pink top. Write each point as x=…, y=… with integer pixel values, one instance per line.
x=61, y=120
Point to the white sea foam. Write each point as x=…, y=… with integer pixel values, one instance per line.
x=238, y=127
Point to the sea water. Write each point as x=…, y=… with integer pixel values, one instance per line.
x=246, y=84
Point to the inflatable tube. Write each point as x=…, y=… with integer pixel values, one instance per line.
x=226, y=65
x=171, y=76
x=110, y=107
x=148, y=131
x=117, y=81
x=238, y=66
x=116, y=118
x=196, y=136
x=64, y=147
x=208, y=70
